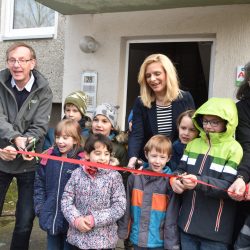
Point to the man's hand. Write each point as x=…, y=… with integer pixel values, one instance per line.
x=28, y=157
x=237, y=189
x=8, y=153
x=21, y=143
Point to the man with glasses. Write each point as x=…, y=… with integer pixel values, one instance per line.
x=25, y=106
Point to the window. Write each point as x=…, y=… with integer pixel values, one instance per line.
x=27, y=19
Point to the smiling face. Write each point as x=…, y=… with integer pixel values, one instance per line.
x=187, y=130
x=101, y=125
x=64, y=143
x=100, y=154
x=21, y=73
x=156, y=78
x=213, y=124
x=157, y=160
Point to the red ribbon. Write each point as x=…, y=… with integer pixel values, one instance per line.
x=105, y=166
x=94, y=164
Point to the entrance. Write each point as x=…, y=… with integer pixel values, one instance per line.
x=191, y=59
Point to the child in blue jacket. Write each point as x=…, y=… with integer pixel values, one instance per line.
x=51, y=178
x=187, y=132
x=147, y=199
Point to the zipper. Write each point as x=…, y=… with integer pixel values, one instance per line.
x=57, y=198
x=191, y=212
x=205, y=156
x=217, y=224
x=194, y=193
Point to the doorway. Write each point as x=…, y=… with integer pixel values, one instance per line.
x=191, y=59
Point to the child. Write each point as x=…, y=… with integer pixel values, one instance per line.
x=94, y=199
x=206, y=217
x=51, y=178
x=75, y=107
x=147, y=199
x=187, y=132
x=105, y=122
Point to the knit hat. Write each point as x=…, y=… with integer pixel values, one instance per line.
x=79, y=99
x=108, y=110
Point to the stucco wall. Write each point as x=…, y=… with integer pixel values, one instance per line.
x=228, y=24
x=50, y=58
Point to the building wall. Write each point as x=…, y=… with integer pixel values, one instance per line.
x=229, y=25
x=50, y=57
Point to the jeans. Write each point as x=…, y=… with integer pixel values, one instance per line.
x=58, y=242
x=24, y=207
x=193, y=242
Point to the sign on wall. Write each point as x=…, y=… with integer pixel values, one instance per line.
x=89, y=86
x=240, y=74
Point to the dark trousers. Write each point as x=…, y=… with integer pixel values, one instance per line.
x=58, y=242
x=243, y=241
x=193, y=242
x=24, y=207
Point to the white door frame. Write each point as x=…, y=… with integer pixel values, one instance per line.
x=168, y=40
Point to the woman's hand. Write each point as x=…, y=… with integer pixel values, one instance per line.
x=132, y=162
x=237, y=189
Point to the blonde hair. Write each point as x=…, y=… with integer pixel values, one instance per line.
x=172, y=82
x=160, y=143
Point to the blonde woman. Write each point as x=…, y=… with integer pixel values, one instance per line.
x=160, y=103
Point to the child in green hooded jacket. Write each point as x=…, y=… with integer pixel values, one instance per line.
x=206, y=218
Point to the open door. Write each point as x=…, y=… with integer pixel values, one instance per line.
x=191, y=59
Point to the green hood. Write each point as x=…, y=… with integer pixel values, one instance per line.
x=222, y=107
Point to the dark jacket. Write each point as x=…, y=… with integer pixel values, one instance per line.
x=206, y=211
x=243, y=137
x=243, y=241
x=146, y=211
x=178, y=150
x=51, y=178
x=145, y=122
x=31, y=120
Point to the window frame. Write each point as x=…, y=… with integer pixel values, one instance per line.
x=9, y=33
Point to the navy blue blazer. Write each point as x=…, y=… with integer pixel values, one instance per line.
x=144, y=124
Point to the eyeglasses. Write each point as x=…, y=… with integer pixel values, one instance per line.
x=212, y=123
x=21, y=62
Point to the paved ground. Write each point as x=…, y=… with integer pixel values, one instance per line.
x=38, y=237
x=37, y=241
